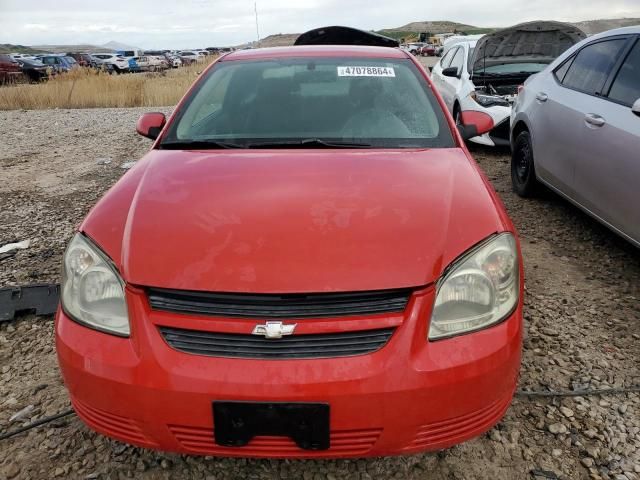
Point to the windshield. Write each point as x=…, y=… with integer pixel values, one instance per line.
x=366, y=101
x=512, y=68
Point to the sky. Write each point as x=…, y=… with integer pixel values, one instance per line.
x=204, y=23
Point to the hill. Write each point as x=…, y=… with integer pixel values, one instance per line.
x=279, y=40
x=9, y=48
x=591, y=27
x=69, y=48
x=113, y=45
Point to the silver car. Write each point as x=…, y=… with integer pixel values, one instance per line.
x=575, y=127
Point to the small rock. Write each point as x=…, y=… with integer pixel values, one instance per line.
x=58, y=472
x=141, y=465
x=557, y=428
x=495, y=435
x=103, y=161
x=591, y=433
x=127, y=165
x=567, y=412
x=165, y=464
x=556, y=452
x=16, y=417
x=11, y=470
x=587, y=462
x=622, y=408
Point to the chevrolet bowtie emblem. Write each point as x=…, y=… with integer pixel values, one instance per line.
x=273, y=330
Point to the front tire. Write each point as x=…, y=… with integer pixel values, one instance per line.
x=523, y=172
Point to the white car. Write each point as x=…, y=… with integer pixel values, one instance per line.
x=412, y=48
x=484, y=75
x=150, y=63
x=119, y=63
x=192, y=55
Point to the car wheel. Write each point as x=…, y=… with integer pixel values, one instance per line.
x=523, y=172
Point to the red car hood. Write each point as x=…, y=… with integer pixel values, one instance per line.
x=293, y=221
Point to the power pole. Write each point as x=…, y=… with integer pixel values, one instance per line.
x=255, y=7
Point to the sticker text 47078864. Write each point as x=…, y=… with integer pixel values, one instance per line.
x=366, y=72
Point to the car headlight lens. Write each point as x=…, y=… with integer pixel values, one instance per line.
x=92, y=290
x=479, y=290
x=490, y=100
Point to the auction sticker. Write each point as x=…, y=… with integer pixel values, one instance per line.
x=366, y=72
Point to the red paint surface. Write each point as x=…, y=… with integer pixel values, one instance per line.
x=295, y=221
x=418, y=395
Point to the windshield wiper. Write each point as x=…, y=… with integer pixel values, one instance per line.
x=199, y=145
x=307, y=143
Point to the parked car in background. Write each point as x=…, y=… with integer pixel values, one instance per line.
x=10, y=70
x=412, y=48
x=129, y=53
x=428, y=51
x=20, y=56
x=83, y=59
x=118, y=63
x=58, y=63
x=133, y=65
x=576, y=129
x=148, y=63
x=35, y=70
x=191, y=56
x=362, y=230
x=484, y=75
x=174, y=61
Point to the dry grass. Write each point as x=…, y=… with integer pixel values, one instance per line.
x=85, y=88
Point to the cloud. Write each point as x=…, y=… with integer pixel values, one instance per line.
x=36, y=26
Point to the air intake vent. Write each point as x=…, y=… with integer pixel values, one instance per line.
x=231, y=345
x=316, y=305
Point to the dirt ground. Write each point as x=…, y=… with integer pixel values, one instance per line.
x=582, y=330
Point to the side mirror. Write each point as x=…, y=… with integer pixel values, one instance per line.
x=151, y=124
x=474, y=124
x=451, y=72
x=636, y=107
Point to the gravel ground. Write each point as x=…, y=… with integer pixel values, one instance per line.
x=582, y=319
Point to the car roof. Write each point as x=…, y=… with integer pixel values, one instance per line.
x=617, y=31
x=316, y=51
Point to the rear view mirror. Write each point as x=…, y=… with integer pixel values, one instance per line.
x=151, y=124
x=451, y=72
x=636, y=107
x=474, y=124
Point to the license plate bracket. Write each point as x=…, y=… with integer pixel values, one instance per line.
x=236, y=423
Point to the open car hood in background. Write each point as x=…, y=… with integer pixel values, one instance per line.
x=532, y=42
x=344, y=36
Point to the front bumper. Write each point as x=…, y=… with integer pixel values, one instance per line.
x=499, y=135
x=410, y=396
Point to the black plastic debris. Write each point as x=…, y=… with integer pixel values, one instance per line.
x=337, y=35
x=40, y=299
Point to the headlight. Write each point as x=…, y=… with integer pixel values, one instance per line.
x=479, y=290
x=489, y=100
x=92, y=290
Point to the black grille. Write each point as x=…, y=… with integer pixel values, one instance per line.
x=240, y=305
x=234, y=345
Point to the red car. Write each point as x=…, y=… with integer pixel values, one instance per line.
x=428, y=51
x=308, y=263
x=10, y=70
